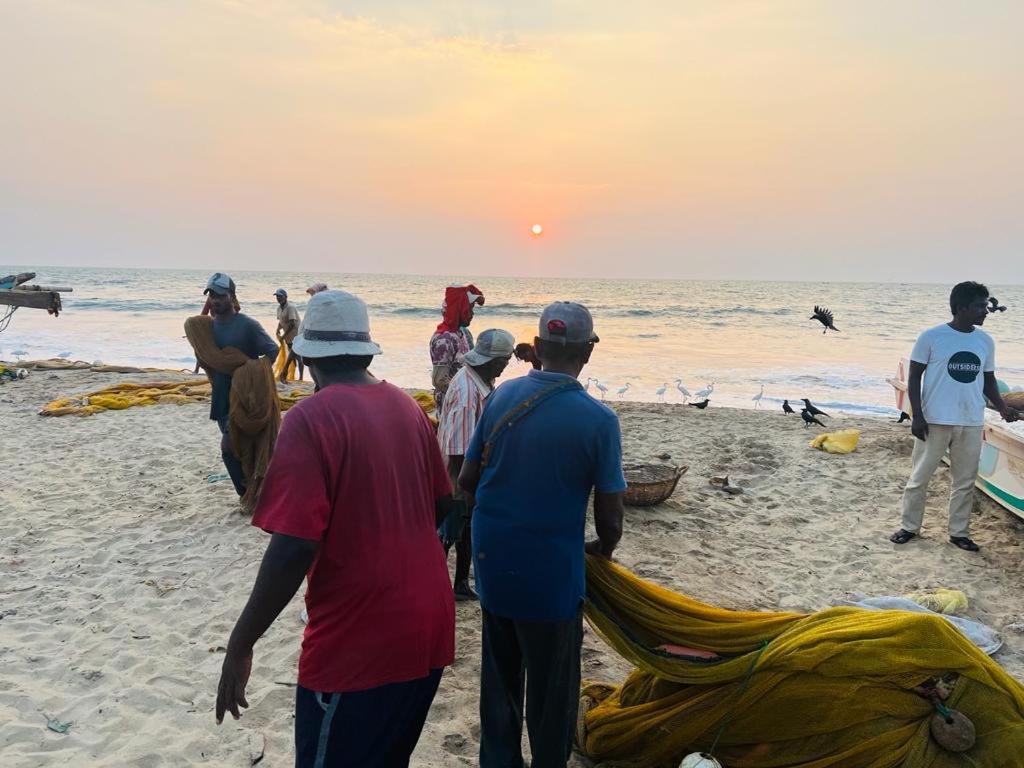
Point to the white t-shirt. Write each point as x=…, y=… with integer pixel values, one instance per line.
x=954, y=382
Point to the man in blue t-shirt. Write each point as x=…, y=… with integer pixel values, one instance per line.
x=232, y=329
x=541, y=446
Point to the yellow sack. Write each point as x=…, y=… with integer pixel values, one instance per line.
x=843, y=441
x=947, y=601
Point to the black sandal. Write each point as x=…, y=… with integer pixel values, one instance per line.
x=902, y=536
x=964, y=543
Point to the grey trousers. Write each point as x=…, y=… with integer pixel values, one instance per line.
x=964, y=445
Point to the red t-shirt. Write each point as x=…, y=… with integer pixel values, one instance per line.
x=359, y=469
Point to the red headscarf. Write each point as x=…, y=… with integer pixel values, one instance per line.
x=458, y=306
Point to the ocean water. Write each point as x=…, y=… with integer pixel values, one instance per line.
x=736, y=335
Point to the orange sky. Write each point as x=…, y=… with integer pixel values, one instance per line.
x=754, y=139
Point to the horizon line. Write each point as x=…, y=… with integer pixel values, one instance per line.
x=587, y=278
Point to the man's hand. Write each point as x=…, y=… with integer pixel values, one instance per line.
x=919, y=427
x=234, y=676
x=596, y=548
x=1009, y=413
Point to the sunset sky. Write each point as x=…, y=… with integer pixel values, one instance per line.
x=783, y=139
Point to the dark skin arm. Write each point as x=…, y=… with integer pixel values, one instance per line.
x=285, y=564
x=992, y=393
x=441, y=509
x=608, y=513
x=469, y=477
x=285, y=327
x=918, y=426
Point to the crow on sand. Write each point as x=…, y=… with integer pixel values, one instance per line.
x=809, y=407
x=809, y=418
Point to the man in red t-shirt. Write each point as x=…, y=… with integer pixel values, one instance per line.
x=352, y=498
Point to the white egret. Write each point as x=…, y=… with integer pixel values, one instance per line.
x=758, y=396
x=660, y=391
x=623, y=390
x=706, y=392
x=683, y=390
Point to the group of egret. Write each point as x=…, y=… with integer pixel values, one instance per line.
x=660, y=391
x=603, y=389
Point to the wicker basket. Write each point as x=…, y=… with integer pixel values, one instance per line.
x=650, y=484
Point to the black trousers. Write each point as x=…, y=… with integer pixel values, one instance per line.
x=377, y=728
x=542, y=659
x=231, y=462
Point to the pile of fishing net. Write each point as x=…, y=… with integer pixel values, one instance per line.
x=841, y=687
x=129, y=394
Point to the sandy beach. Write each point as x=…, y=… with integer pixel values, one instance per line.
x=122, y=570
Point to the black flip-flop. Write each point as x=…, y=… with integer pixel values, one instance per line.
x=902, y=536
x=964, y=543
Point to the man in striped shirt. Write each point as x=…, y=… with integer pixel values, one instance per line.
x=460, y=410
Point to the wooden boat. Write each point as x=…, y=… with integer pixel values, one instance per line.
x=15, y=293
x=1001, y=469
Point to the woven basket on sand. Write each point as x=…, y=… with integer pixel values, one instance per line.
x=649, y=484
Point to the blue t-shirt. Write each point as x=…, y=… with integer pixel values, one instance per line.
x=531, y=504
x=246, y=335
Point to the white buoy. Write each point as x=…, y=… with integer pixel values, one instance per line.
x=22, y=373
x=700, y=760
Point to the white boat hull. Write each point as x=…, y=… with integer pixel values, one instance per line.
x=1001, y=469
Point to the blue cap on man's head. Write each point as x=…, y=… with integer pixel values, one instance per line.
x=219, y=283
x=281, y=292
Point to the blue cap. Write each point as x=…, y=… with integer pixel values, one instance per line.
x=281, y=292
x=219, y=283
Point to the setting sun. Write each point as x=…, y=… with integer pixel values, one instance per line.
x=537, y=230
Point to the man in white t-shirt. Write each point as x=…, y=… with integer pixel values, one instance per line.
x=958, y=364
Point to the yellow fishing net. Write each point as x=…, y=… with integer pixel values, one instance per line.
x=282, y=361
x=128, y=395
x=826, y=690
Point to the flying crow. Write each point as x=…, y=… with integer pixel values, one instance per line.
x=994, y=305
x=809, y=418
x=824, y=316
x=809, y=407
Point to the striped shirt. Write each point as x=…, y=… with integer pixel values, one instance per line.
x=463, y=403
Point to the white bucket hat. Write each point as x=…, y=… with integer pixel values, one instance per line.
x=336, y=323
